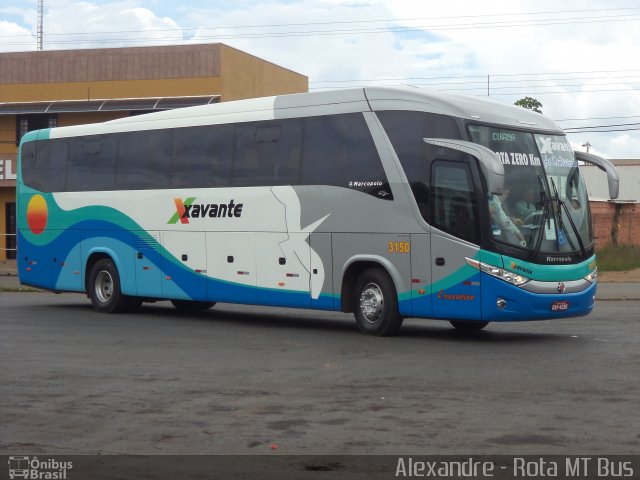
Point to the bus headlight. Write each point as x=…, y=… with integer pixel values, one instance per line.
x=592, y=276
x=510, y=277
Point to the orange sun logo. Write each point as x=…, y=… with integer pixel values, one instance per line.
x=37, y=214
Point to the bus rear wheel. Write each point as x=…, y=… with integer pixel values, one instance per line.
x=191, y=305
x=468, y=325
x=104, y=289
x=376, y=303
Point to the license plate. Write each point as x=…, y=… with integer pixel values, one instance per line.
x=560, y=306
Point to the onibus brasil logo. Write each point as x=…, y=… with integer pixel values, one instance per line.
x=34, y=468
x=187, y=208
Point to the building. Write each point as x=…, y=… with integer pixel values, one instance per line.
x=615, y=222
x=68, y=87
x=596, y=180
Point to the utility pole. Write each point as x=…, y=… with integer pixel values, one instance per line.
x=40, y=28
x=488, y=86
x=587, y=146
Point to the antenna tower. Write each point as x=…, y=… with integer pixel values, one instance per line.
x=40, y=31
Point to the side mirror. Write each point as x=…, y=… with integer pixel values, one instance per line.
x=606, y=166
x=490, y=163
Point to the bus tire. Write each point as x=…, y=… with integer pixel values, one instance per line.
x=104, y=289
x=468, y=325
x=191, y=305
x=376, y=303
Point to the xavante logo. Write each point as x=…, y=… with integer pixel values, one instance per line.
x=515, y=266
x=188, y=209
x=181, y=210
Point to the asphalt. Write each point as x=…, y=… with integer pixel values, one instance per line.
x=606, y=291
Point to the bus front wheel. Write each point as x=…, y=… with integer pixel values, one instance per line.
x=376, y=303
x=104, y=289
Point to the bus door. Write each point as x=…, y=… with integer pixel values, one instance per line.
x=455, y=287
x=184, y=271
x=148, y=264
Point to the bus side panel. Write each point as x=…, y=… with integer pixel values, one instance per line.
x=282, y=263
x=421, y=302
x=148, y=262
x=66, y=261
x=34, y=263
x=322, y=288
x=231, y=267
x=49, y=256
x=185, y=266
x=456, y=289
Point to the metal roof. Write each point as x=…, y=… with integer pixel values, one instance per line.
x=106, y=105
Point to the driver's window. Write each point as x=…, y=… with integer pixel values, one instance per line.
x=453, y=200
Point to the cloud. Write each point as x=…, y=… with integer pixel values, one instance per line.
x=621, y=145
x=118, y=24
x=15, y=38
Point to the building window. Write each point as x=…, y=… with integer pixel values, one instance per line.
x=27, y=123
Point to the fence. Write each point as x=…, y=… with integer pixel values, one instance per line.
x=9, y=245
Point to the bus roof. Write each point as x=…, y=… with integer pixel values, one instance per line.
x=324, y=103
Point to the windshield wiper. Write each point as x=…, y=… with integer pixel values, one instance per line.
x=561, y=206
x=545, y=216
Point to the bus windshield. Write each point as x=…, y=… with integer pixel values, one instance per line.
x=544, y=207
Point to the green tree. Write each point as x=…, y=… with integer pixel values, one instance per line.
x=530, y=103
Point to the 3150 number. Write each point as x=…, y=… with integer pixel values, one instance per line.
x=399, y=247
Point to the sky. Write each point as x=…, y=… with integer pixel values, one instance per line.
x=580, y=59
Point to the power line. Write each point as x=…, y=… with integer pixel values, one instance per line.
x=421, y=28
x=586, y=72
x=504, y=84
x=601, y=126
x=535, y=86
x=493, y=93
x=388, y=20
x=594, y=118
x=607, y=131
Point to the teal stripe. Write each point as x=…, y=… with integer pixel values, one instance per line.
x=550, y=273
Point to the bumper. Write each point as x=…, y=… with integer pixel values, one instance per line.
x=522, y=305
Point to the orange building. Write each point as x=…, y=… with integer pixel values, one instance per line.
x=68, y=87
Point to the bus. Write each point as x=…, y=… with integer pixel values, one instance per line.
x=384, y=202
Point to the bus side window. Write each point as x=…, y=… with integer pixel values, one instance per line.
x=338, y=150
x=48, y=169
x=454, y=209
x=201, y=156
x=143, y=160
x=267, y=153
x=91, y=163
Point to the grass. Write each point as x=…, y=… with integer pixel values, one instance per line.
x=616, y=259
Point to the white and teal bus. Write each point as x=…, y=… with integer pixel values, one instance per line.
x=388, y=203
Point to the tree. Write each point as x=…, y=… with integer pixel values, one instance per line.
x=530, y=103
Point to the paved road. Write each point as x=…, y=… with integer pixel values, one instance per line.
x=239, y=379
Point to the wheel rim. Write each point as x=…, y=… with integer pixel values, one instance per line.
x=103, y=286
x=371, y=303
